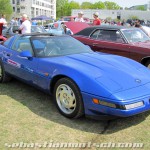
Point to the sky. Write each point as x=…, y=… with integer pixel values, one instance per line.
x=122, y=3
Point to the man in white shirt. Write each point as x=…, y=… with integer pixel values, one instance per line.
x=3, y=20
x=80, y=17
x=26, y=25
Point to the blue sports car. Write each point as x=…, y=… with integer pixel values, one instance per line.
x=82, y=82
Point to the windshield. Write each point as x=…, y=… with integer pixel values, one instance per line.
x=56, y=46
x=135, y=35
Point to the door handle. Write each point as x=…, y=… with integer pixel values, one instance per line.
x=8, y=54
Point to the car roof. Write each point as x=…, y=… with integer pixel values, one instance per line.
x=88, y=30
x=40, y=34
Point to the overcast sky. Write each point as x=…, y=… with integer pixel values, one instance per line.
x=122, y=3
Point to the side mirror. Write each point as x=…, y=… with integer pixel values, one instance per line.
x=26, y=54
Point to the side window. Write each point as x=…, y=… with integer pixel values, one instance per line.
x=21, y=44
x=120, y=39
x=111, y=35
x=95, y=34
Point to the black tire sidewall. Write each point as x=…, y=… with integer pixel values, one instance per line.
x=2, y=67
x=147, y=63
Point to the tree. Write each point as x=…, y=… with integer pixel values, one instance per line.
x=60, y=7
x=133, y=17
x=86, y=5
x=72, y=5
x=98, y=5
x=5, y=8
x=63, y=7
x=111, y=5
x=141, y=8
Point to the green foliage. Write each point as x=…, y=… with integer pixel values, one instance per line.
x=111, y=5
x=5, y=8
x=86, y=5
x=141, y=8
x=98, y=5
x=72, y=5
x=133, y=17
x=60, y=6
x=64, y=7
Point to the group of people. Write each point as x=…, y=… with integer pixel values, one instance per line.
x=96, y=20
x=25, y=25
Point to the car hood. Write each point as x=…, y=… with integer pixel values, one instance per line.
x=76, y=26
x=115, y=73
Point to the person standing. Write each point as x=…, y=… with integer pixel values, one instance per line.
x=3, y=20
x=25, y=27
x=96, y=20
x=12, y=21
x=66, y=30
x=80, y=17
x=15, y=22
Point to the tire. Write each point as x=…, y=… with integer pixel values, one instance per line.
x=147, y=64
x=66, y=90
x=3, y=76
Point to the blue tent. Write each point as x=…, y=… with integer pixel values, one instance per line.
x=42, y=17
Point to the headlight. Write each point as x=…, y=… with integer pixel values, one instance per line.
x=123, y=107
x=96, y=101
x=134, y=105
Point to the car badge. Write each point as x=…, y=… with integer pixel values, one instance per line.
x=138, y=80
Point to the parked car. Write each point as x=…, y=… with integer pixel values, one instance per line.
x=124, y=41
x=82, y=81
x=2, y=38
x=56, y=27
x=13, y=30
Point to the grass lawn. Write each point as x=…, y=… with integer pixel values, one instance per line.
x=28, y=115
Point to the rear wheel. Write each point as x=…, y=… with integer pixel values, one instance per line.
x=3, y=76
x=68, y=98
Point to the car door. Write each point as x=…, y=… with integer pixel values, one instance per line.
x=18, y=66
x=109, y=41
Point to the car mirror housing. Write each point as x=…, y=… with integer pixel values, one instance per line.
x=26, y=54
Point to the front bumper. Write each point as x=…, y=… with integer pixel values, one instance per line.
x=99, y=111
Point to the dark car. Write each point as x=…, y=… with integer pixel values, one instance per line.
x=13, y=30
x=129, y=42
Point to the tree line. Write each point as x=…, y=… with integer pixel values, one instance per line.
x=64, y=7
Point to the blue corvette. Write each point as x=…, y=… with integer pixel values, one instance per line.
x=82, y=82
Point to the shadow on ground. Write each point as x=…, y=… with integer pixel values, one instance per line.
x=43, y=105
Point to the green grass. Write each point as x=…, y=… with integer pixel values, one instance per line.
x=28, y=115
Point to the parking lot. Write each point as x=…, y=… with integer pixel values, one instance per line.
x=28, y=115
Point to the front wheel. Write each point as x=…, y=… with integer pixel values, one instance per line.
x=147, y=64
x=3, y=76
x=68, y=98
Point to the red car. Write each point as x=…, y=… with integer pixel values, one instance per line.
x=1, y=36
x=72, y=18
x=129, y=42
